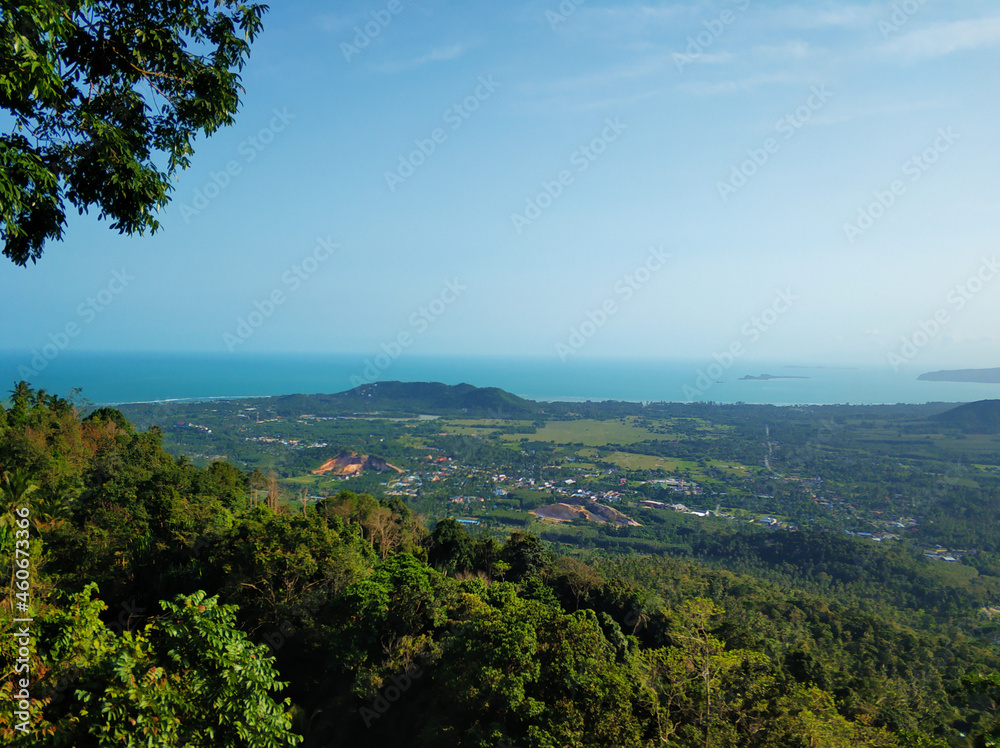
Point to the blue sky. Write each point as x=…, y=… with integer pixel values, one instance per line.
x=814, y=182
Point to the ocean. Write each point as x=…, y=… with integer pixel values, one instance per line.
x=105, y=378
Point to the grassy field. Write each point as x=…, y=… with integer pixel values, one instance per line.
x=730, y=468
x=631, y=461
x=485, y=423
x=873, y=434
x=589, y=433
x=455, y=429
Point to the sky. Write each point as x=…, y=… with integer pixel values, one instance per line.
x=806, y=182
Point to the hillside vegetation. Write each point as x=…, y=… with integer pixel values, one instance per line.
x=177, y=605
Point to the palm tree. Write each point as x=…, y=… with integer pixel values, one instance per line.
x=41, y=400
x=61, y=406
x=20, y=396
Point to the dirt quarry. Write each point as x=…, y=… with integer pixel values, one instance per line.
x=591, y=511
x=351, y=463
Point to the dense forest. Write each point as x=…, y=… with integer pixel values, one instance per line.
x=152, y=602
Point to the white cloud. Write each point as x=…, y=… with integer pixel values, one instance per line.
x=831, y=16
x=704, y=88
x=714, y=59
x=335, y=23
x=612, y=76
x=618, y=102
x=944, y=38
x=622, y=24
x=441, y=54
x=632, y=18
x=795, y=49
x=880, y=111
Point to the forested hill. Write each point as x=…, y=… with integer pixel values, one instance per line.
x=410, y=398
x=176, y=606
x=982, y=417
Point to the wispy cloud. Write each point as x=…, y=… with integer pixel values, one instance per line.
x=653, y=65
x=624, y=23
x=633, y=17
x=720, y=58
x=706, y=88
x=879, y=112
x=334, y=22
x=441, y=54
x=828, y=15
x=619, y=102
x=942, y=39
x=795, y=49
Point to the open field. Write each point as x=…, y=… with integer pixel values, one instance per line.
x=589, y=432
x=631, y=461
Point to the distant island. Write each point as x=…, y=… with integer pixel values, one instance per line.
x=768, y=377
x=836, y=368
x=981, y=376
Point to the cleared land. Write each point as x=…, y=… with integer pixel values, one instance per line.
x=589, y=432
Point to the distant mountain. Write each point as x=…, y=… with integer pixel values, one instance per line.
x=985, y=376
x=411, y=398
x=982, y=417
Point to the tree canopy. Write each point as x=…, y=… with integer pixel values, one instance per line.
x=104, y=101
x=226, y=619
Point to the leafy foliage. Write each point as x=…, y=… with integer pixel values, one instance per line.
x=100, y=95
x=188, y=678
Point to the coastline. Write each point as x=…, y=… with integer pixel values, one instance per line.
x=132, y=378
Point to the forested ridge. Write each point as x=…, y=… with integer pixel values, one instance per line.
x=175, y=605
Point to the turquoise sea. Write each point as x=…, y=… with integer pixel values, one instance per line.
x=143, y=377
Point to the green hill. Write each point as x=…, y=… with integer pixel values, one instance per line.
x=981, y=417
x=411, y=398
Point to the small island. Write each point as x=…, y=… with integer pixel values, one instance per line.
x=767, y=377
x=979, y=376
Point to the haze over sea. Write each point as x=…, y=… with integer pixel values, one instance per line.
x=143, y=377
